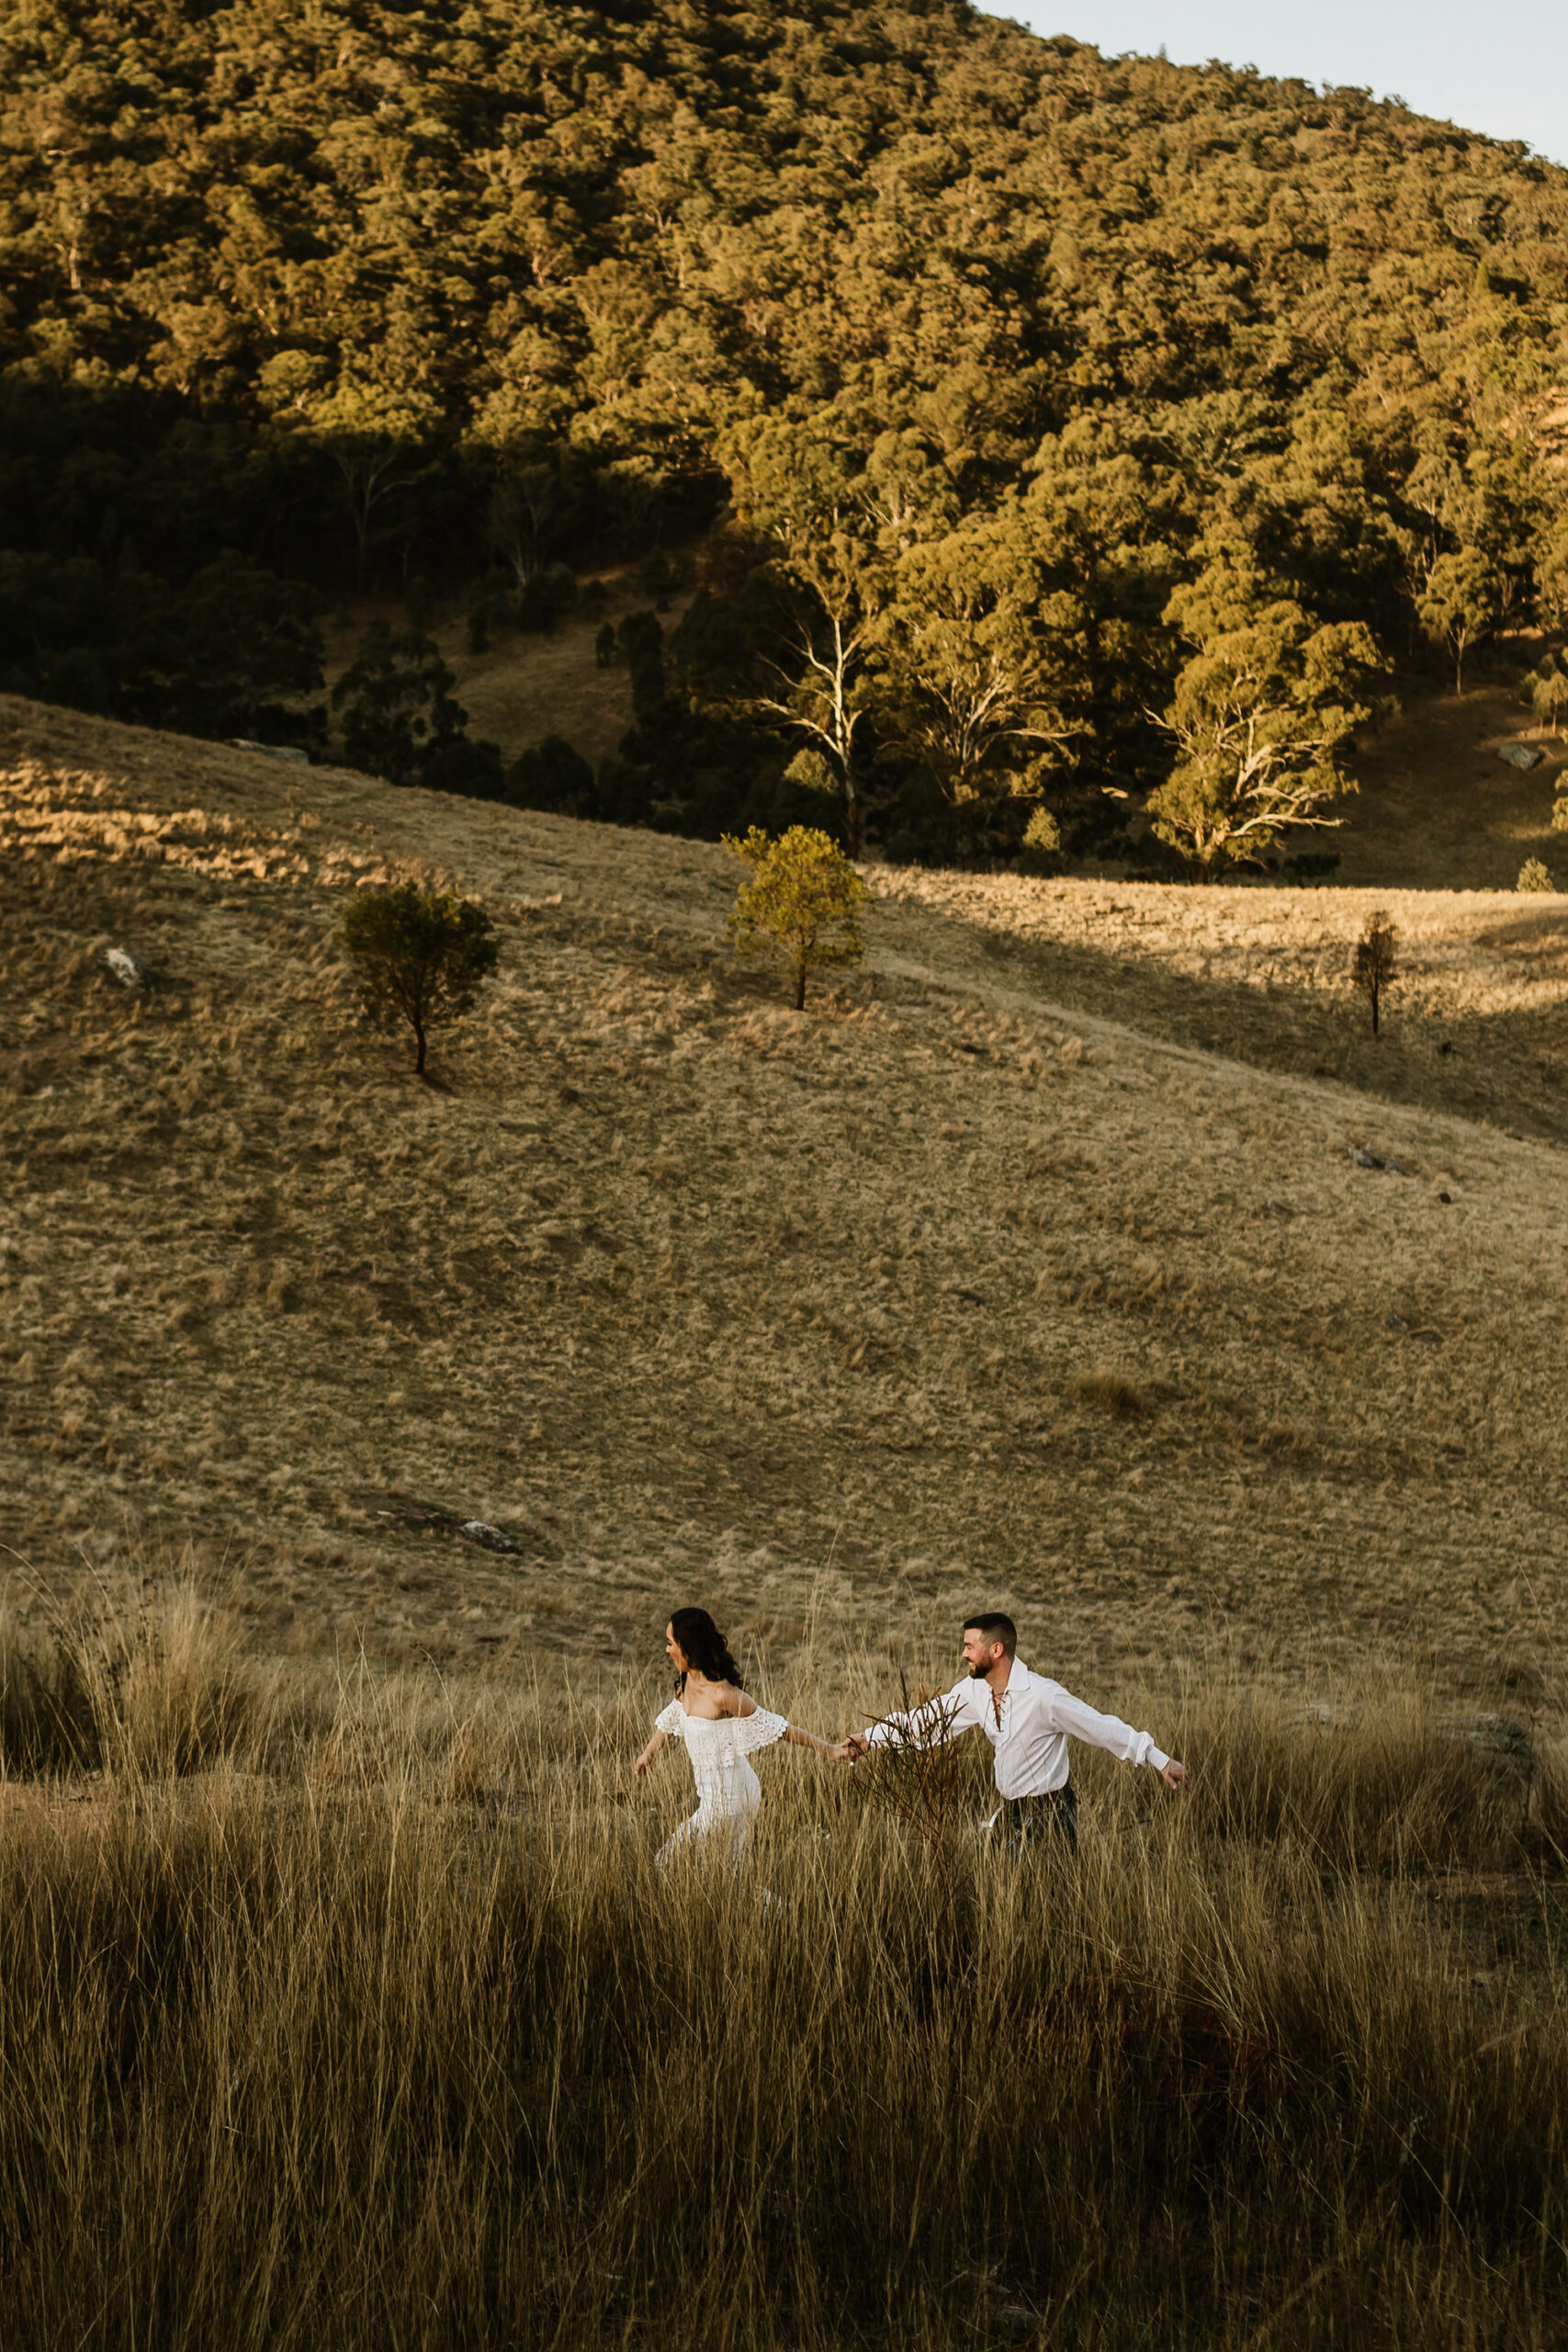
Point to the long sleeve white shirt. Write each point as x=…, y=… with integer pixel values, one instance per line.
x=1029, y=1733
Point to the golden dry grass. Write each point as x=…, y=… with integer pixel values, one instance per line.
x=803, y=1318
x=1437, y=808
x=381, y=2030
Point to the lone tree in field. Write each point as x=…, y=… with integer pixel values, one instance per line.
x=418, y=955
x=1373, y=967
x=799, y=904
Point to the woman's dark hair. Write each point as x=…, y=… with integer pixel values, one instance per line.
x=703, y=1646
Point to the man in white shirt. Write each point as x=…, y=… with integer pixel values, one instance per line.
x=1028, y=1720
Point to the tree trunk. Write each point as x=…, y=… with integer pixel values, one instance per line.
x=800, y=988
x=1374, y=996
x=419, y=1033
x=852, y=811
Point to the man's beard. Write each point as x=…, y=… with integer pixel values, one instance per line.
x=978, y=1673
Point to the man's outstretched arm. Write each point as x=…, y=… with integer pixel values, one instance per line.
x=925, y=1726
x=1081, y=1722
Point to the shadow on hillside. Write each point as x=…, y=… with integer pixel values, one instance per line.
x=1506, y=1068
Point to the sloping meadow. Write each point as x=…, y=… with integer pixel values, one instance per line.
x=940, y=1290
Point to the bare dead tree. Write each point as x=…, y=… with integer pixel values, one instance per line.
x=914, y=1774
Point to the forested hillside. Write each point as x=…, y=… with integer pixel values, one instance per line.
x=1035, y=428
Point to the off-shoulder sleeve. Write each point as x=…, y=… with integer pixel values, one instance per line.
x=671, y=1719
x=759, y=1729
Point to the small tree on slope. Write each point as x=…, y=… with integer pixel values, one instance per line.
x=418, y=955
x=1372, y=968
x=800, y=902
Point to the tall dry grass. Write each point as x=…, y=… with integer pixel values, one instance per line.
x=405, y=2043
x=137, y=1682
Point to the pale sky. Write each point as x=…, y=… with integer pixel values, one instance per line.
x=1501, y=68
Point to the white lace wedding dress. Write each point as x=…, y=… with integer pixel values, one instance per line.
x=728, y=1791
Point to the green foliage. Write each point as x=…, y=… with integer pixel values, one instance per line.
x=1039, y=853
x=552, y=775
x=640, y=642
x=809, y=771
x=1462, y=604
x=1547, y=687
x=1534, y=875
x=801, y=903
x=375, y=435
x=226, y=654
x=1374, y=964
x=419, y=956
x=487, y=292
x=400, y=719
x=1261, y=717
x=984, y=663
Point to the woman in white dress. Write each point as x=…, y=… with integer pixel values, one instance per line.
x=721, y=1725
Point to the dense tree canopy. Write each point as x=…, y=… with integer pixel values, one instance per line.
x=856, y=302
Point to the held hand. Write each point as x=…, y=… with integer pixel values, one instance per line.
x=1174, y=1775
x=843, y=1751
x=855, y=1747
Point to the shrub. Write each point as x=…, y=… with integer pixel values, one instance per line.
x=809, y=771
x=1041, y=851
x=641, y=641
x=916, y=1774
x=800, y=904
x=554, y=776
x=1114, y=1393
x=142, y=1689
x=1535, y=876
x=468, y=765
x=418, y=955
x=1559, y=813
x=805, y=792
x=487, y=604
x=170, y=1692
x=1547, y=687
x=397, y=705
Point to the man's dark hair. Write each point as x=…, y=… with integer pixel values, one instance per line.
x=995, y=1628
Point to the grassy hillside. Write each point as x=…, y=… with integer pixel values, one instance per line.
x=1032, y=1264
